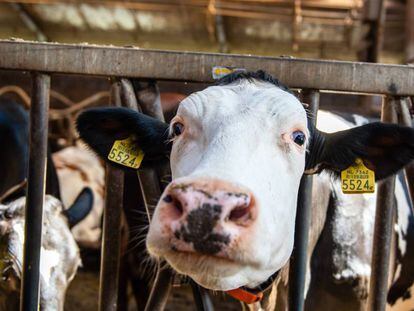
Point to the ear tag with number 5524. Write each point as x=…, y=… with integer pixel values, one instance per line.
x=126, y=152
x=358, y=179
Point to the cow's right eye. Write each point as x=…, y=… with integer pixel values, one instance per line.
x=177, y=129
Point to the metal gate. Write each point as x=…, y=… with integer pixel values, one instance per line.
x=394, y=82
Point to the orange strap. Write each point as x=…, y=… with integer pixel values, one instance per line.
x=245, y=296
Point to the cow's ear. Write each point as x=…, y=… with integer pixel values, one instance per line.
x=384, y=148
x=101, y=127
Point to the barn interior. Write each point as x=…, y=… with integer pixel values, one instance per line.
x=376, y=31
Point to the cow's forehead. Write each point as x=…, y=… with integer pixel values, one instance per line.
x=239, y=97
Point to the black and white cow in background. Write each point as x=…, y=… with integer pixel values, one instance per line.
x=237, y=152
x=60, y=257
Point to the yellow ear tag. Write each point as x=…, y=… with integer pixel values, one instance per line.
x=358, y=179
x=125, y=152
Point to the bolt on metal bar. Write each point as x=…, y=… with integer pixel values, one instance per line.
x=111, y=235
x=383, y=226
x=297, y=274
x=35, y=192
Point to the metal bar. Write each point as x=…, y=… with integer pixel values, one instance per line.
x=375, y=19
x=404, y=117
x=409, y=31
x=298, y=262
x=149, y=103
x=221, y=36
x=148, y=99
x=201, y=297
x=29, y=21
x=186, y=66
x=35, y=192
x=161, y=289
x=111, y=235
x=383, y=226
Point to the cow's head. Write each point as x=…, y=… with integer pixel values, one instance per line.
x=237, y=153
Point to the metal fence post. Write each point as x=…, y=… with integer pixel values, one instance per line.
x=111, y=235
x=35, y=192
x=383, y=226
x=297, y=274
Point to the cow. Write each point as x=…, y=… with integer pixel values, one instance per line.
x=14, y=158
x=237, y=152
x=60, y=257
x=78, y=168
x=59, y=253
x=340, y=252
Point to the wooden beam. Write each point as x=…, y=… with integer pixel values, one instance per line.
x=353, y=77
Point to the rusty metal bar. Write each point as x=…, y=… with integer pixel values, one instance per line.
x=35, y=192
x=377, y=297
x=298, y=262
x=111, y=235
x=186, y=66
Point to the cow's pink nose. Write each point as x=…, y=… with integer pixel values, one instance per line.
x=206, y=215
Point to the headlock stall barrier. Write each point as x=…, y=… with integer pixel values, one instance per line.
x=394, y=82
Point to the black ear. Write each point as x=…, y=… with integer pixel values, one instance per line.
x=101, y=127
x=384, y=148
x=80, y=208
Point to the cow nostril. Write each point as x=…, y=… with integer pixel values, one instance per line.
x=175, y=207
x=178, y=207
x=240, y=213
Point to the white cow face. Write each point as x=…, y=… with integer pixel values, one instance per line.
x=237, y=158
x=237, y=153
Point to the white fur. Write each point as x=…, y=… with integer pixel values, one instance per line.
x=59, y=259
x=234, y=133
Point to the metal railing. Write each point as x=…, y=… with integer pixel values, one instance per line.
x=395, y=82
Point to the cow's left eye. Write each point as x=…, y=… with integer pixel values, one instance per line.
x=298, y=137
x=177, y=128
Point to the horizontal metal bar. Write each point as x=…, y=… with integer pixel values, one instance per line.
x=185, y=66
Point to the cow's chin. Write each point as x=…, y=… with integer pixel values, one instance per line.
x=216, y=273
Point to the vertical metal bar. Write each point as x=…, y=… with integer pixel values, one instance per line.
x=35, y=192
x=149, y=102
x=161, y=289
x=148, y=99
x=383, y=226
x=111, y=236
x=201, y=298
x=297, y=274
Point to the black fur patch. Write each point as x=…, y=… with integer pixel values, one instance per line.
x=199, y=230
x=384, y=148
x=100, y=127
x=252, y=75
